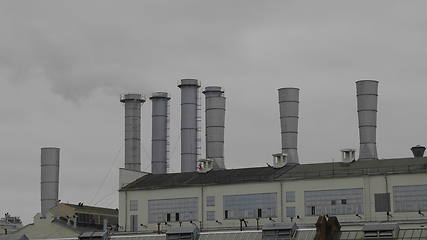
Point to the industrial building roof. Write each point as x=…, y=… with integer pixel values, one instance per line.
x=270, y=174
x=68, y=209
x=92, y=209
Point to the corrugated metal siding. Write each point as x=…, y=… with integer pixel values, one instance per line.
x=412, y=234
x=305, y=234
x=302, y=234
x=232, y=236
x=351, y=235
x=140, y=237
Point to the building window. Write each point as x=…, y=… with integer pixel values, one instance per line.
x=290, y=212
x=176, y=217
x=210, y=201
x=160, y=210
x=133, y=205
x=226, y=214
x=250, y=205
x=382, y=202
x=334, y=202
x=290, y=196
x=411, y=198
x=133, y=223
x=210, y=215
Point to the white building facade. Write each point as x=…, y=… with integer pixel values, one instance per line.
x=393, y=190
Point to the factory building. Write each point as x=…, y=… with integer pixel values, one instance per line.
x=387, y=190
x=358, y=192
x=361, y=198
x=69, y=221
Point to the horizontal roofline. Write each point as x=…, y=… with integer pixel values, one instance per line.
x=287, y=173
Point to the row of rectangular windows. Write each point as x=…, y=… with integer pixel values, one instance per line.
x=339, y=201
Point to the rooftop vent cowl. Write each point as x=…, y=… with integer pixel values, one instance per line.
x=418, y=151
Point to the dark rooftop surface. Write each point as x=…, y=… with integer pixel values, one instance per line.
x=289, y=172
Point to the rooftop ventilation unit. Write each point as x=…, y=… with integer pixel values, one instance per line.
x=183, y=233
x=132, y=102
x=380, y=231
x=278, y=231
x=279, y=160
x=418, y=151
x=348, y=155
x=205, y=165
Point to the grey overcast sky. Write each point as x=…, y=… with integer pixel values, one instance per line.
x=63, y=65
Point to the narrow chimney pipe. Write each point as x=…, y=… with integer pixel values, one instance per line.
x=288, y=103
x=215, y=125
x=132, y=102
x=367, y=102
x=159, y=142
x=189, y=127
x=49, y=184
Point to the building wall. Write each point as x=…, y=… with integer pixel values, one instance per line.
x=236, y=189
x=142, y=210
x=371, y=185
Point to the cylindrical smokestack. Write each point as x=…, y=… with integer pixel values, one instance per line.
x=189, y=131
x=215, y=124
x=159, y=144
x=133, y=102
x=418, y=151
x=288, y=103
x=49, y=179
x=367, y=101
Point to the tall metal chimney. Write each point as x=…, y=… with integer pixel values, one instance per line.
x=133, y=102
x=159, y=144
x=367, y=101
x=215, y=124
x=49, y=184
x=189, y=128
x=288, y=103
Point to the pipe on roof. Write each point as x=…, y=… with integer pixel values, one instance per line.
x=288, y=103
x=159, y=141
x=189, y=124
x=215, y=125
x=132, y=102
x=367, y=102
x=49, y=184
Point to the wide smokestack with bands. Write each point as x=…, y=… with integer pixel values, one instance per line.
x=189, y=131
x=367, y=100
x=159, y=141
x=288, y=103
x=132, y=102
x=215, y=124
x=49, y=184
